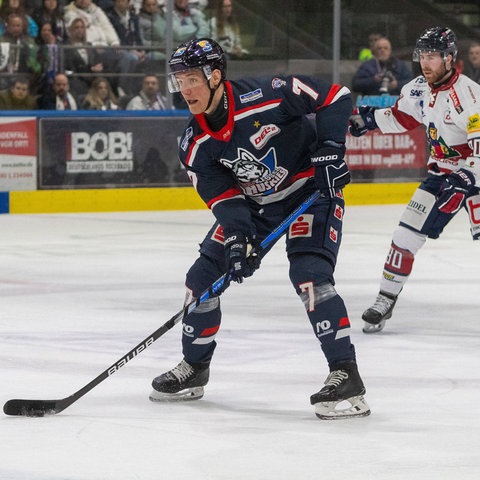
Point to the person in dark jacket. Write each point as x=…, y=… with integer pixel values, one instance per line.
x=382, y=74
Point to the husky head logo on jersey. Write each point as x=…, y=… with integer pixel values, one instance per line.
x=246, y=167
x=256, y=176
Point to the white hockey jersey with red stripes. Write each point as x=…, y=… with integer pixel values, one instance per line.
x=451, y=115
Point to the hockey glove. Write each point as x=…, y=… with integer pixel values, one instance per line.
x=454, y=189
x=240, y=264
x=331, y=171
x=362, y=120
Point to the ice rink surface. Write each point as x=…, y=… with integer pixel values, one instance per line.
x=79, y=291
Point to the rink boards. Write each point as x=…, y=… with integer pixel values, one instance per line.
x=180, y=198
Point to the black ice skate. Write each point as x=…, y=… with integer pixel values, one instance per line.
x=380, y=311
x=342, y=385
x=184, y=382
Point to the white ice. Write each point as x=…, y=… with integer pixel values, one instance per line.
x=79, y=291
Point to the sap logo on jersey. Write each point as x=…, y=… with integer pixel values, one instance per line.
x=301, y=227
x=261, y=138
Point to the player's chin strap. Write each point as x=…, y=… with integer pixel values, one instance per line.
x=212, y=94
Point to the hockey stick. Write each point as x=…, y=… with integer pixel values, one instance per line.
x=39, y=408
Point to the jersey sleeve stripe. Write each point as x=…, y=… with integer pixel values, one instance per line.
x=227, y=195
x=393, y=120
x=336, y=91
x=245, y=112
x=194, y=148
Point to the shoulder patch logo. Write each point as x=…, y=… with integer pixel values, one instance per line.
x=278, y=83
x=251, y=96
x=188, y=134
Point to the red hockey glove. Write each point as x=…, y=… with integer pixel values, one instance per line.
x=240, y=264
x=362, y=120
x=331, y=171
x=454, y=189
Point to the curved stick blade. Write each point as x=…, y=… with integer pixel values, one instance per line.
x=30, y=408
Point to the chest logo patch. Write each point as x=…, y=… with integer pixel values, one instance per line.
x=256, y=176
x=260, y=138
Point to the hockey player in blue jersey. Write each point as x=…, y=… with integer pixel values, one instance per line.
x=253, y=156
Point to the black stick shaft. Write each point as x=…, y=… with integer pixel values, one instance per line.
x=39, y=408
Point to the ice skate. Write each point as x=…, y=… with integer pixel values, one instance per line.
x=380, y=311
x=184, y=382
x=342, y=395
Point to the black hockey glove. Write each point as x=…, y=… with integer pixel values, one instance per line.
x=240, y=263
x=331, y=171
x=454, y=189
x=362, y=120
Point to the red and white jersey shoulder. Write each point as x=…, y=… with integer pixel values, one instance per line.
x=450, y=114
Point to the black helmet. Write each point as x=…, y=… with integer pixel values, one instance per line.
x=203, y=53
x=436, y=39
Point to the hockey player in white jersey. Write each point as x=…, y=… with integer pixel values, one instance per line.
x=448, y=104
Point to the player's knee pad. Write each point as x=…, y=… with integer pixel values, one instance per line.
x=202, y=274
x=312, y=277
x=310, y=267
x=407, y=239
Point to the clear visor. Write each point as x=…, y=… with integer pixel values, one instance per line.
x=418, y=51
x=188, y=79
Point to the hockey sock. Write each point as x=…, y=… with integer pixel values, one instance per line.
x=199, y=331
x=397, y=268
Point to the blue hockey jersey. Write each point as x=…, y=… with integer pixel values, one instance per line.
x=263, y=151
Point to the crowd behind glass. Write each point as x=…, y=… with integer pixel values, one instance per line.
x=100, y=54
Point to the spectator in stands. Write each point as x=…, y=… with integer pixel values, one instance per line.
x=100, y=96
x=81, y=60
x=149, y=97
x=225, y=29
x=100, y=33
x=16, y=6
x=18, y=50
x=382, y=74
x=188, y=22
x=48, y=56
x=152, y=29
x=18, y=96
x=125, y=21
x=198, y=4
x=58, y=96
x=366, y=52
x=51, y=12
x=471, y=66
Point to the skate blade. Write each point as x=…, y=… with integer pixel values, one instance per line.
x=188, y=394
x=334, y=411
x=371, y=328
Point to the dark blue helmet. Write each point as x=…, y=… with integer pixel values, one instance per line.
x=203, y=53
x=436, y=39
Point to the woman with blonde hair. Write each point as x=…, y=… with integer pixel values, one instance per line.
x=224, y=28
x=100, y=96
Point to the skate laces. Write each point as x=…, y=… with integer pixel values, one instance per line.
x=182, y=371
x=336, y=377
x=382, y=304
